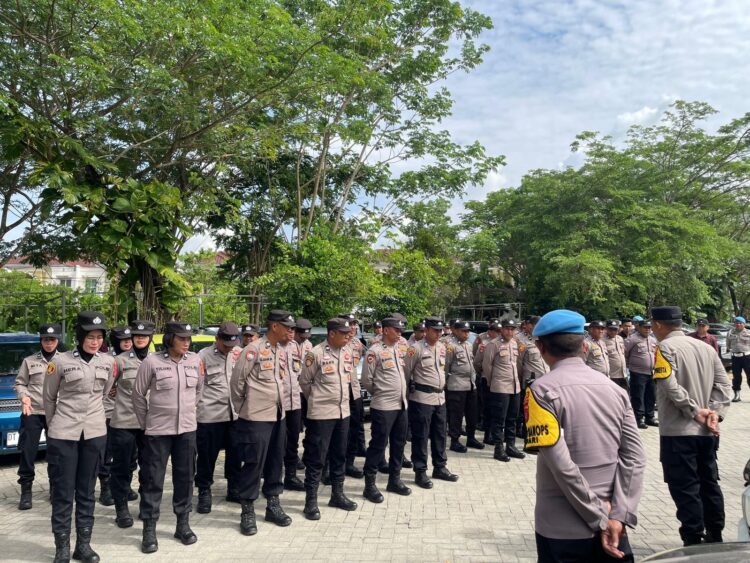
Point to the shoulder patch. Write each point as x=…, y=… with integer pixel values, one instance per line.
x=250, y=355
x=662, y=368
x=412, y=351
x=370, y=357
x=542, y=426
x=50, y=368
x=309, y=359
x=521, y=347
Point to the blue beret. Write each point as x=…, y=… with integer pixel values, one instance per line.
x=637, y=318
x=740, y=320
x=560, y=321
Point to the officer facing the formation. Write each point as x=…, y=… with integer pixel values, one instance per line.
x=125, y=432
x=595, y=349
x=383, y=376
x=216, y=415
x=693, y=394
x=425, y=374
x=28, y=388
x=616, y=353
x=738, y=344
x=293, y=403
x=640, y=348
x=165, y=396
x=461, y=389
x=74, y=386
x=589, y=477
x=259, y=435
x=325, y=382
x=356, y=441
x=500, y=368
x=250, y=333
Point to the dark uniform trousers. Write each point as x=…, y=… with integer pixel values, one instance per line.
x=484, y=391
x=622, y=382
x=460, y=404
x=260, y=447
x=504, y=412
x=72, y=472
x=293, y=430
x=356, y=440
x=325, y=439
x=740, y=363
x=127, y=445
x=642, y=394
x=427, y=422
x=387, y=427
x=211, y=438
x=587, y=550
x=28, y=443
x=520, y=418
x=156, y=451
x=105, y=469
x=692, y=475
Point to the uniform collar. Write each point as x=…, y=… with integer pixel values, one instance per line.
x=576, y=361
x=674, y=333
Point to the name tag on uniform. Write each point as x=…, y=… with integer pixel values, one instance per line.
x=389, y=364
x=384, y=355
x=503, y=353
x=348, y=367
x=266, y=365
x=329, y=369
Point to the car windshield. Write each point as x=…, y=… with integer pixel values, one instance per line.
x=13, y=353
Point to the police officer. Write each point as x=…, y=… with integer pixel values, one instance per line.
x=738, y=344
x=530, y=365
x=588, y=483
x=216, y=416
x=293, y=406
x=125, y=432
x=250, y=333
x=626, y=328
x=302, y=333
x=167, y=387
x=28, y=388
x=417, y=334
x=484, y=419
x=616, y=353
x=326, y=382
x=73, y=389
x=377, y=328
x=356, y=442
x=260, y=432
x=383, y=377
x=693, y=394
x=425, y=373
x=640, y=348
x=461, y=389
x=595, y=349
x=500, y=367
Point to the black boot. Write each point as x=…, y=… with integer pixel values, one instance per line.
x=149, y=544
x=311, y=510
x=443, y=474
x=25, y=502
x=293, y=483
x=326, y=475
x=512, y=451
x=105, y=495
x=183, y=531
x=353, y=471
x=457, y=446
x=132, y=495
x=406, y=463
x=642, y=424
x=736, y=398
x=123, y=519
x=204, y=500
x=396, y=485
x=472, y=442
x=713, y=536
x=276, y=514
x=62, y=548
x=422, y=480
x=248, y=527
x=371, y=491
x=83, y=551
x=500, y=454
x=652, y=422
x=339, y=499
x=300, y=465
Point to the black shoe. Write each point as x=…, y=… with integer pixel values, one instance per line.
x=132, y=495
x=500, y=454
x=642, y=424
x=513, y=452
x=83, y=551
x=248, y=527
x=457, y=446
x=25, y=502
x=422, y=480
x=406, y=463
x=293, y=483
x=105, y=495
x=396, y=485
x=384, y=469
x=472, y=442
x=353, y=471
x=736, y=398
x=443, y=474
x=62, y=548
x=123, y=519
x=652, y=422
x=204, y=501
x=149, y=544
x=371, y=492
x=713, y=536
x=276, y=514
x=692, y=540
x=339, y=499
x=311, y=510
x=183, y=531
x=300, y=465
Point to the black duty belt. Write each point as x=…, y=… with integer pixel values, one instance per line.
x=427, y=388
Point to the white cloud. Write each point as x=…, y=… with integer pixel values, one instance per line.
x=644, y=115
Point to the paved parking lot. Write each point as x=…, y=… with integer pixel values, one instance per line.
x=486, y=516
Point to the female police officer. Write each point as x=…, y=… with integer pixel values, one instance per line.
x=74, y=386
x=165, y=395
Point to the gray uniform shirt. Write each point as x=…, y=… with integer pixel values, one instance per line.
x=383, y=376
x=292, y=390
x=165, y=394
x=257, y=384
x=425, y=365
x=123, y=415
x=689, y=376
x=500, y=366
x=530, y=362
x=325, y=381
x=616, y=355
x=357, y=351
x=738, y=341
x=73, y=392
x=595, y=355
x=639, y=353
x=214, y=402
x=589, y=448
x=30, y=380
x=459, y=366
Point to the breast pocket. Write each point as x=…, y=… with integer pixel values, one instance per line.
x=165, y=381
x=213, y=376
x=191, y=380
x=265, y=373
x=428, y=361
x=36, y=377
x=74, y=380
x=100, y=380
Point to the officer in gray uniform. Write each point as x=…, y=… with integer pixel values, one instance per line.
x=461, y=388
x=293, y=408
x=616, y=354
x=589, y=476
x=167, y=387
x=125, y=431
x=417, y=334
x=425, y=374
x=738, y=344
x=484, y=417
x=250, y=333
x=640, y=348
x=216, y=416
x=693, y=395
x=28, y=388
x=595, y=348
x=530, y=366
x=74, y=385
x=302, y=337
x=325, y=382
x=356, y=442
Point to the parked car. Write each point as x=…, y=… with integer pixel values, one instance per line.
x=720, y=331
x=14, y=347
x=730, y=552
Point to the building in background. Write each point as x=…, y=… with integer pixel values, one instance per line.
x=78, y=274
